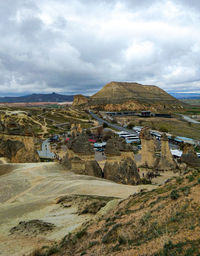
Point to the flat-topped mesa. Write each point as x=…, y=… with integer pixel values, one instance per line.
x=118, y=96
x=166, y=161
x=189, y=156
x=148, y=151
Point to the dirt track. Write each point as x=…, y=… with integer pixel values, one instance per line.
x=29, y=191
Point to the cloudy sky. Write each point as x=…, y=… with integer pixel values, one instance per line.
x=77, y=46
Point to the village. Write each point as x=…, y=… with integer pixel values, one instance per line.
x=101, y=151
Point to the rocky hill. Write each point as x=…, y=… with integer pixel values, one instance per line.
x=117, y=96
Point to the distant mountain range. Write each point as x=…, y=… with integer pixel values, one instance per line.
x=186, y=95
x=53, y=97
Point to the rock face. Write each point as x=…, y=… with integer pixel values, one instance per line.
x=189, y=156
x=80, y=101
x=80, y=144
x=148, y=151
x=120, y=165
x=123, y=171
x=18, y=149
x=85, y=204
x=116, y=145
x=82, y=165
x=80, y=157
x=76, y=130
x=32, y=227
x=117, y=96
x=166, y=161
x=17, y=123
x=112, y=148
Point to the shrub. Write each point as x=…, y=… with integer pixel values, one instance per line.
x=163, y=129
x=174, y=194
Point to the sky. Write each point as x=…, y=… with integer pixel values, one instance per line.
x=78, y=46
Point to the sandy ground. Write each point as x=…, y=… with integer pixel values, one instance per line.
x=29, y=191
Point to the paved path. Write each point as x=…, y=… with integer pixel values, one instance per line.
x=189, y=119
x=115, y=126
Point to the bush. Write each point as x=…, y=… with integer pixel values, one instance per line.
x=174, y=194
x=163, y=129
x=105, y=125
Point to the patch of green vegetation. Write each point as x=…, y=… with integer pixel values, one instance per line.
x=174, y=194
x=187, y=248
x=50, y=251
x=185, y=190
x=93, y=243
x=179, y=180
x=81, y=233
x=145, y=218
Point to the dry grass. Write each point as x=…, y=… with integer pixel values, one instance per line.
x=146, y=224
x=175, y=126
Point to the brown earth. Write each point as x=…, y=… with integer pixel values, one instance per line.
x=31, y=194
x=161, y=222
x=117, y=96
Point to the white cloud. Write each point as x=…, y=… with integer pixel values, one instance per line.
x=74, y=46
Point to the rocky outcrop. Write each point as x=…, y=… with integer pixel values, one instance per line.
x=148, y=151
x=76, y=130
x=117, y=96
x=81, y=164
x=18, y=149
x=166, y=161
x=116, y=145
x=189, y=156
x=81, y=145
x=112, y=148
x=80, y=157
x=80, y=101
x=32, y=227
x=123, y=171
x=120, y=165
x=17, y=123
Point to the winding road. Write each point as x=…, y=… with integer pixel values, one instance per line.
x=115, y=126
x=189, y=119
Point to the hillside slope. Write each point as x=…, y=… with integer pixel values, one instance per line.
x=162, y=222
x=117, y=96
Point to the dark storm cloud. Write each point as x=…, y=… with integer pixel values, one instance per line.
x=78, y=46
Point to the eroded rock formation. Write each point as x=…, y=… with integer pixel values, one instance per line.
x=166, y=161
x=80, y=157
x=189, y=156
x=18, y=149
x=122, y=171
x=148, y=151
x=80, y=144
x=120, y=165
